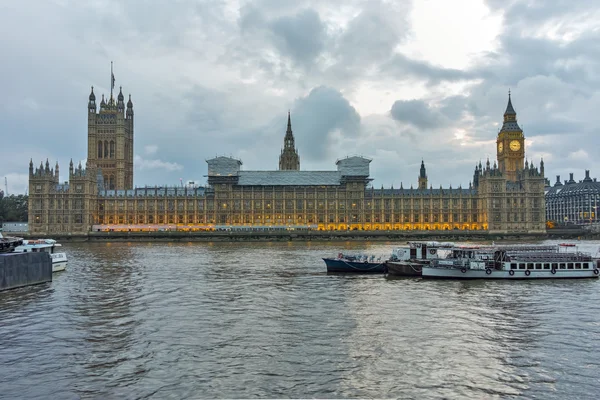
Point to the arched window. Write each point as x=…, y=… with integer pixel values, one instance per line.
x=112, y=149
x=106, y=182
x=106, y=149
x=112, y=182
x=99, y=148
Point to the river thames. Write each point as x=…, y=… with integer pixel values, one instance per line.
x=264, y=320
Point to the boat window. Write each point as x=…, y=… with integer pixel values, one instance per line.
x=562, y=266
x=522, y=266
x=513, y=266
x=529, y=265
x=554, y=265
x=546, y=266
x=586, y=266
x=538, y=266
x=577, y=265
x=34, y=250
x=569, y=265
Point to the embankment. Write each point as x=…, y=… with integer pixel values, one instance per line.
x=212, y=236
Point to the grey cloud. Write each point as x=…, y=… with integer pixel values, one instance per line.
x=372, y=35
x=417, y=113
x=193, y=108
x=529, y=14
x=404, y=68
x=454, y=107
x=302, y=35
x=317, y=117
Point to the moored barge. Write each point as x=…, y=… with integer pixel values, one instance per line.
x=360, y=264
x=409, y=260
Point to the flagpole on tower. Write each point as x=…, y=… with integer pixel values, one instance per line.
x=112, y=80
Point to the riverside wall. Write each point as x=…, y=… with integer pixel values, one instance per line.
x=232, y=236
x=24, y=269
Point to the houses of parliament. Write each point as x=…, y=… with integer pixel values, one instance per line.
x=504, y=197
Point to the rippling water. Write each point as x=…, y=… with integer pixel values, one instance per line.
x=247, y=320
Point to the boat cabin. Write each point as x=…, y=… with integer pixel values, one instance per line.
x=421, y=251
x=35, y=246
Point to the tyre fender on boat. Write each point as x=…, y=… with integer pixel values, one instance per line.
x=527, y=272
x=596, y=272
x=463, y=270
x=511, y=272
x=553, y=271
x=488, y=271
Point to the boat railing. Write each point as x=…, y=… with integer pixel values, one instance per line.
x=509, y=248
x=360, y=257
x=541, y=257
x=514, y=258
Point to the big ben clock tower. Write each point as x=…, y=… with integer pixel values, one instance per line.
x=510, y=144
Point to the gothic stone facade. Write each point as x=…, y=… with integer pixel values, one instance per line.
x=285, y=198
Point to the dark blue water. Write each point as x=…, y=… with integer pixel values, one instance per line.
x=264, y=320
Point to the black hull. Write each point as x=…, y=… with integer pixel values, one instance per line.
x=403, y=268
x=354, y=267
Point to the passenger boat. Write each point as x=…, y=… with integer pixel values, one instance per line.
x=361, y=264
x=59, y=259
x=409, y=260
x=9, y=243
x=560, y=261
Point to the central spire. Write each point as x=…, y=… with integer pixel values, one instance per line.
x=289, y=135
x=289, y=159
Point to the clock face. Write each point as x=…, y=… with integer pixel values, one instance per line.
x=515, y=145
x=500, y=147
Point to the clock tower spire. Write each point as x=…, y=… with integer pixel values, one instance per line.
x=510, y=144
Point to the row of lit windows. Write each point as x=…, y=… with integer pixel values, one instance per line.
x=331, y=217
x=279, y=204
x=151, y=219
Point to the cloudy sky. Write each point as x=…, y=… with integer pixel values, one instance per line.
x=395, y=81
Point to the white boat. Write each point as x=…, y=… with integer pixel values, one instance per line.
x=59, y=259
x=561, y=261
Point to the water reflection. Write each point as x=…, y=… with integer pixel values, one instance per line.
x=230, y=320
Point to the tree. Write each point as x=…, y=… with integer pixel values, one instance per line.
x=13, y=208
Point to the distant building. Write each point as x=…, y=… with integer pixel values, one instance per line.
x=572, y=201
x=505, y=197
x=16, y=227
